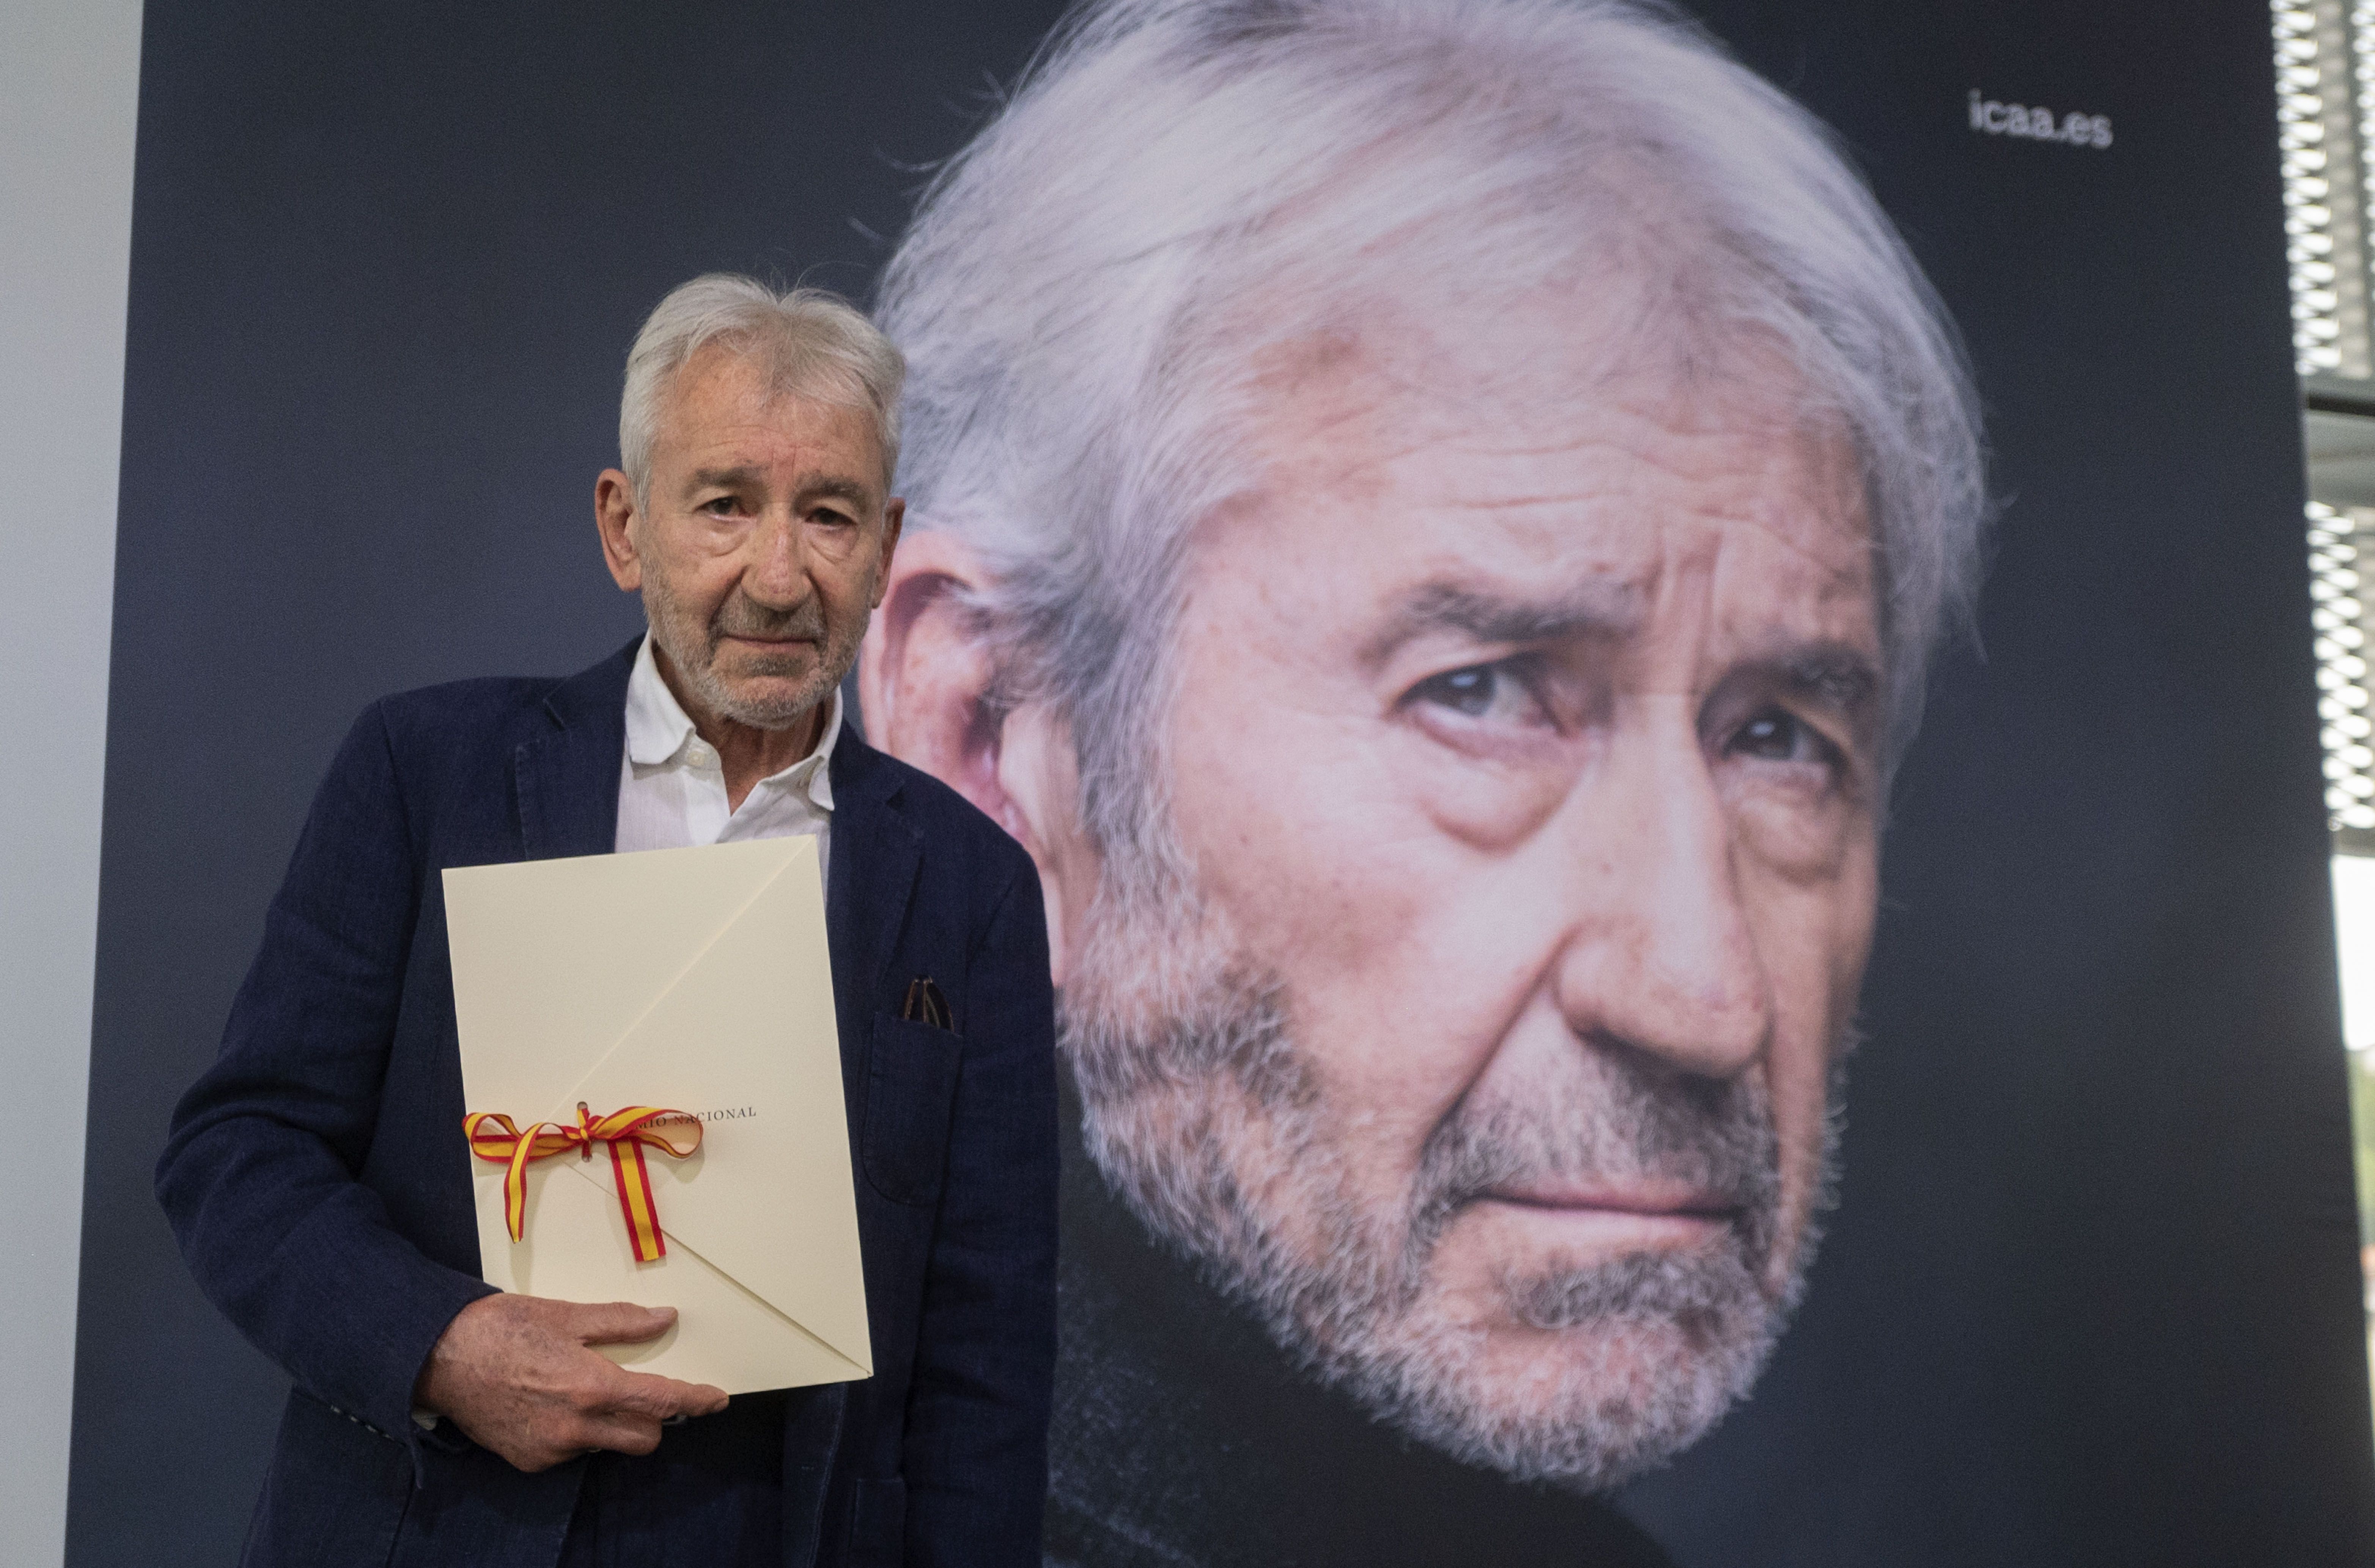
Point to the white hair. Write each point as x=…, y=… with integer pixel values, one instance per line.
x=813, y=343
x=1178, y=183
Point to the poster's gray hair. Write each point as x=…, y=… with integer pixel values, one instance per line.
x=812, y=342
x=1074, y=294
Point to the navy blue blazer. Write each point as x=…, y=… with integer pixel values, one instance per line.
x=319, y=1183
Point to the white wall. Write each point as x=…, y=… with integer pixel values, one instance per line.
x=69, y=78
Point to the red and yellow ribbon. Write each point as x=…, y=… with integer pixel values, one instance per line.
x=494, y=1139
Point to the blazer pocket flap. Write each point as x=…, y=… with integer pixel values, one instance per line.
x=878, y=1523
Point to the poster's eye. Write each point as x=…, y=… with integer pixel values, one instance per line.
x=1775, y=734
x=1499, y=692
x=1467, y=692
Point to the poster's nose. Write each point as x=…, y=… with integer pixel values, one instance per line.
x=1661, y=957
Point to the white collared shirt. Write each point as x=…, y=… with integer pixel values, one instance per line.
x=672, y=786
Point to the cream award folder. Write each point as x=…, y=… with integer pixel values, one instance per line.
x=698, y=981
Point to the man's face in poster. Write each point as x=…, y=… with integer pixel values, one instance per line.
x=1456, y=959
x=1522, y=767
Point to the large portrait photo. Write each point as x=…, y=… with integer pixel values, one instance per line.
x=1656, y=674
x=1430, y=523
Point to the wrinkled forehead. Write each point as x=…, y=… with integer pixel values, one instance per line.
x=1377, y=548
x=1517, y=487
x=1587, y=405
x=737, y=391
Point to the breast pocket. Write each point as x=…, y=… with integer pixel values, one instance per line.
x=911, y=1090
x=878, y=1524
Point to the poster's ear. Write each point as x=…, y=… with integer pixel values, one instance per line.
x=924, y=679
x=924, y=673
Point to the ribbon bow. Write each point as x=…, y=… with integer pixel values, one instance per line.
x=625, y=1131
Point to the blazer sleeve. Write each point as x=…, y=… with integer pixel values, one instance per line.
x=975, y=1459
x=258, y=1175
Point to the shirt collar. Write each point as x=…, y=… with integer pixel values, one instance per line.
x=658, y=725
x=819, y=761
x=658, y=729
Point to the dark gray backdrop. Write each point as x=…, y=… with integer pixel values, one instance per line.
x=2091, y=1296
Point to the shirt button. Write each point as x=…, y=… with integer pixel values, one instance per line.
x=700, y=754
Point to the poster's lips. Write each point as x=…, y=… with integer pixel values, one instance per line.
x=1650, y=1200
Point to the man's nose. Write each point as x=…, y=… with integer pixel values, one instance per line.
x=776, y=576
x=1661, y=959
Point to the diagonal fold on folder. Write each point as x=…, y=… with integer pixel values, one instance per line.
x=697, y=979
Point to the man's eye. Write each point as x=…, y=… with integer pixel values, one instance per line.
x=1494, y=691
x=722, y=506
x=1777, y=737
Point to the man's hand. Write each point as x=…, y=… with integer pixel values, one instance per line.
x=513, y=1373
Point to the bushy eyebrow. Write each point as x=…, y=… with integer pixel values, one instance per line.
x=1836, y=674
x=1595, y=609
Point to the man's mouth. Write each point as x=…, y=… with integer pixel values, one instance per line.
x=1649, y=1199
x=767, y=640
x=1625, y=1217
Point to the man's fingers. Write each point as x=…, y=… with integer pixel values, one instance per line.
x=537, y=1456
x=643, y=1394
x=622, y=1433
x=517, y=1375
x=619, y=1323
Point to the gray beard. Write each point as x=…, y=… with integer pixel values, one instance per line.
x=1209, y=1123
x=692, y=648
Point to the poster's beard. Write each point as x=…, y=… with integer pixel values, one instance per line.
x=816, y=662
x=1208, y=1120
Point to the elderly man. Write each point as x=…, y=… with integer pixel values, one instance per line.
x=1428, y=521
x=317, y=1176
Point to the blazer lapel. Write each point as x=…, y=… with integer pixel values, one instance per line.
x=568, y=777
x=876, y=855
